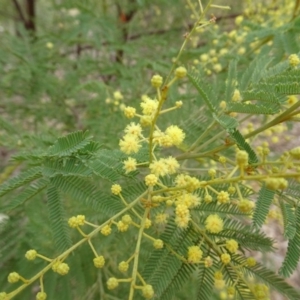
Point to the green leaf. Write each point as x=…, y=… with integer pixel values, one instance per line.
x=20, y=180
x=69, y=166
x=196, y=82
x=261, y=96
x=254, y=109
x=28, y=193
x=245, y=236
x=106, y=165
x=263, y=203
x=205, y=282
x=243, y=145
x=70, y=144
x=221, y=209
x=272, y=279
x=83, y=190
x=292, y=257
x=58, y=221
x=288, y=216
x=230, y=81
x=226, y=122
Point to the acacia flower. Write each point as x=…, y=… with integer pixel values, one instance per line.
x=294, y=60
x=194, y=254
x=129, y=112
x=31, y=254
x=225, y=258
x=242, y=158
x=62, y=269
x=148, y=291
x=176, y=134
x=276, y=183
x=180, y=72
x=246, y=205
x=232, y=245
x=223, y=197
x=130, y=165
x=133, y=129
x=106, y=230
x=251, y=261
x=149, y=106
x=156, y=81
x=122, y=227
x=116, y=189
x=171, y=164
x=214, y=223
x=161, y=218
x=148, y=223
x=236, y=96
x=158, y=168
x=158, y=244
x=99, y=261
x=151, y=180
x=123, y=266
x=118, y=95
x=73, y=222
x=80, y=219
x=112, y=283
x=129, y=144
x=178, y=104
x=190, y=200
x=126, y=219
x=182, y=215
x=13, y=277
x=208, y=262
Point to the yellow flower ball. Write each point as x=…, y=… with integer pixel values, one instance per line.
x=214, y=223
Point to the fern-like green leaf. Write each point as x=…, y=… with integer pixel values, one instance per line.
x=20, y=180
x=226, y=122
x=221, y=209
x=230, y=81
x=254, y=109
x=205, y=282
x=165, y=271
x=106, y=165
x=28, y=193
x=69, y=166
x=243, y=145
x=289, y=88
x=254, y=71
x=268, y=277
x=90, y=148
x=260, y=96
x=80, y=189
x=265, y=198
x=69, y=144
x=288, y=217
x=292, y=257
x=245, y=236
x=182, y=275
x=58, y=222
x=196, y=83
x=242, y=289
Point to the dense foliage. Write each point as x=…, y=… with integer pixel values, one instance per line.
x=178, y=200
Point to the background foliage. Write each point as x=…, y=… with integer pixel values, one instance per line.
x=62, y=72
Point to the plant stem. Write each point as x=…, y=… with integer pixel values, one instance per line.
x=137, y=252
x=71, y=249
